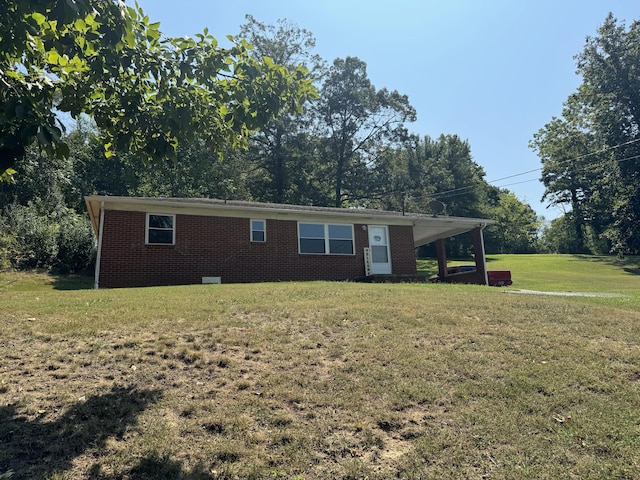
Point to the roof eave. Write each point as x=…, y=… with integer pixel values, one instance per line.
x=426, y=229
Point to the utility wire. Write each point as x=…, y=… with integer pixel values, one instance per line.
x=458, y=191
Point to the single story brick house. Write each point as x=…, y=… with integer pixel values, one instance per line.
x=177, y=241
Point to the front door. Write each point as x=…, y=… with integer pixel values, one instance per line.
x=379, y=244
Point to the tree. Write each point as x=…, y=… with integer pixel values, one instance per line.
x=147, y=93
x=443, y=169
x=422, y=170
x=360, y=122
x=560, y=236
x=517, y=227
x=591, y=156
x=94, y=174
x=458, y=180
x=199, y=174
x=568, y=173
x=398, y=178
x=274, y=148
x=611, y=97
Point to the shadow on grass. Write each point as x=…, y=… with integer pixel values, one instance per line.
x=428, y=267
x=155, y=468
x=37, y=449
x=73, y=282
x=630, y=264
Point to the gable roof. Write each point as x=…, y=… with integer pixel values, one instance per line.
x=426, y=228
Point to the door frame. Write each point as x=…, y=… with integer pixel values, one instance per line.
x=387, y=270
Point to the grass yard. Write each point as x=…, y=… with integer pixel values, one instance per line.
x=559, y=273
x=324, y=380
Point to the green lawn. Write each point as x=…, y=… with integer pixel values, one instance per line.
x=575, y=273
x=324, y=380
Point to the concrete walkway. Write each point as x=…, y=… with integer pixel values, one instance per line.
x=566, y=294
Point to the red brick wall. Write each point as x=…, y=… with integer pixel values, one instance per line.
x=403, y=256
x=220, y=247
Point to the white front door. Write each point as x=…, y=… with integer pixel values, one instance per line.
x=380, y=255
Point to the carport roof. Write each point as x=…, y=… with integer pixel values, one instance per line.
x=426, y=228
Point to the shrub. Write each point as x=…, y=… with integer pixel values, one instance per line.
x=8, y=244
x=32, y=237
x=76, y=247
x=36, y=235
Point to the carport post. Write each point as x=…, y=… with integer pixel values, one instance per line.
x=478, y=253
x=441, y=251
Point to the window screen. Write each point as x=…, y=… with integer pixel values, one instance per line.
x=322, y=238
x=160, y=229
x=258, y=231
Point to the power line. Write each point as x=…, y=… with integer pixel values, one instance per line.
x=515, y=175
x=576, y=158
x=458, y=191
x=518, y=183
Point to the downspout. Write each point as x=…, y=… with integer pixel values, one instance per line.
x=96, y=282
x=484, y=257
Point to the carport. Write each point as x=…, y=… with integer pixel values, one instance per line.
x=438, y=229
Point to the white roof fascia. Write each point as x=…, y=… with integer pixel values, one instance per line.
x=426, y=228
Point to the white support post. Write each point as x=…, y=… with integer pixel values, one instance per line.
x=484, y=257
x=96, y=281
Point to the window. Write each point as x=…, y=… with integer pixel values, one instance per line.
x=160, y=229
x=311, y=237
x=325, y=239
x=340, y=239
x=258, y=231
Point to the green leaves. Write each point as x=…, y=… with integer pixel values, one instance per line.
x=146, y=93
x=588, y=153
x=359, y=121
x=7, y=175
x=39, y=18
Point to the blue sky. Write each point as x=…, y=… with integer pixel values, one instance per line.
x=493, y=72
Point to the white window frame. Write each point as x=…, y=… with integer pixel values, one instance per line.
x=327, y=239
x=264, y=230
x=147, y=228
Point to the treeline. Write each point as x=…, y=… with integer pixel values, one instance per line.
x=591, y=154
x=44, y=223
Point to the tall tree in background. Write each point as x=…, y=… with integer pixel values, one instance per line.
x=422, y=170
x=443, y=169
x=398, y=180
x=458, y=180
x=275, y=148
x=146, y=93
x=610, y=66
x=517, y=227
x=198, y=174
x=569, y=169
x=39, y=226
x=591, y=156
x=359, y=122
